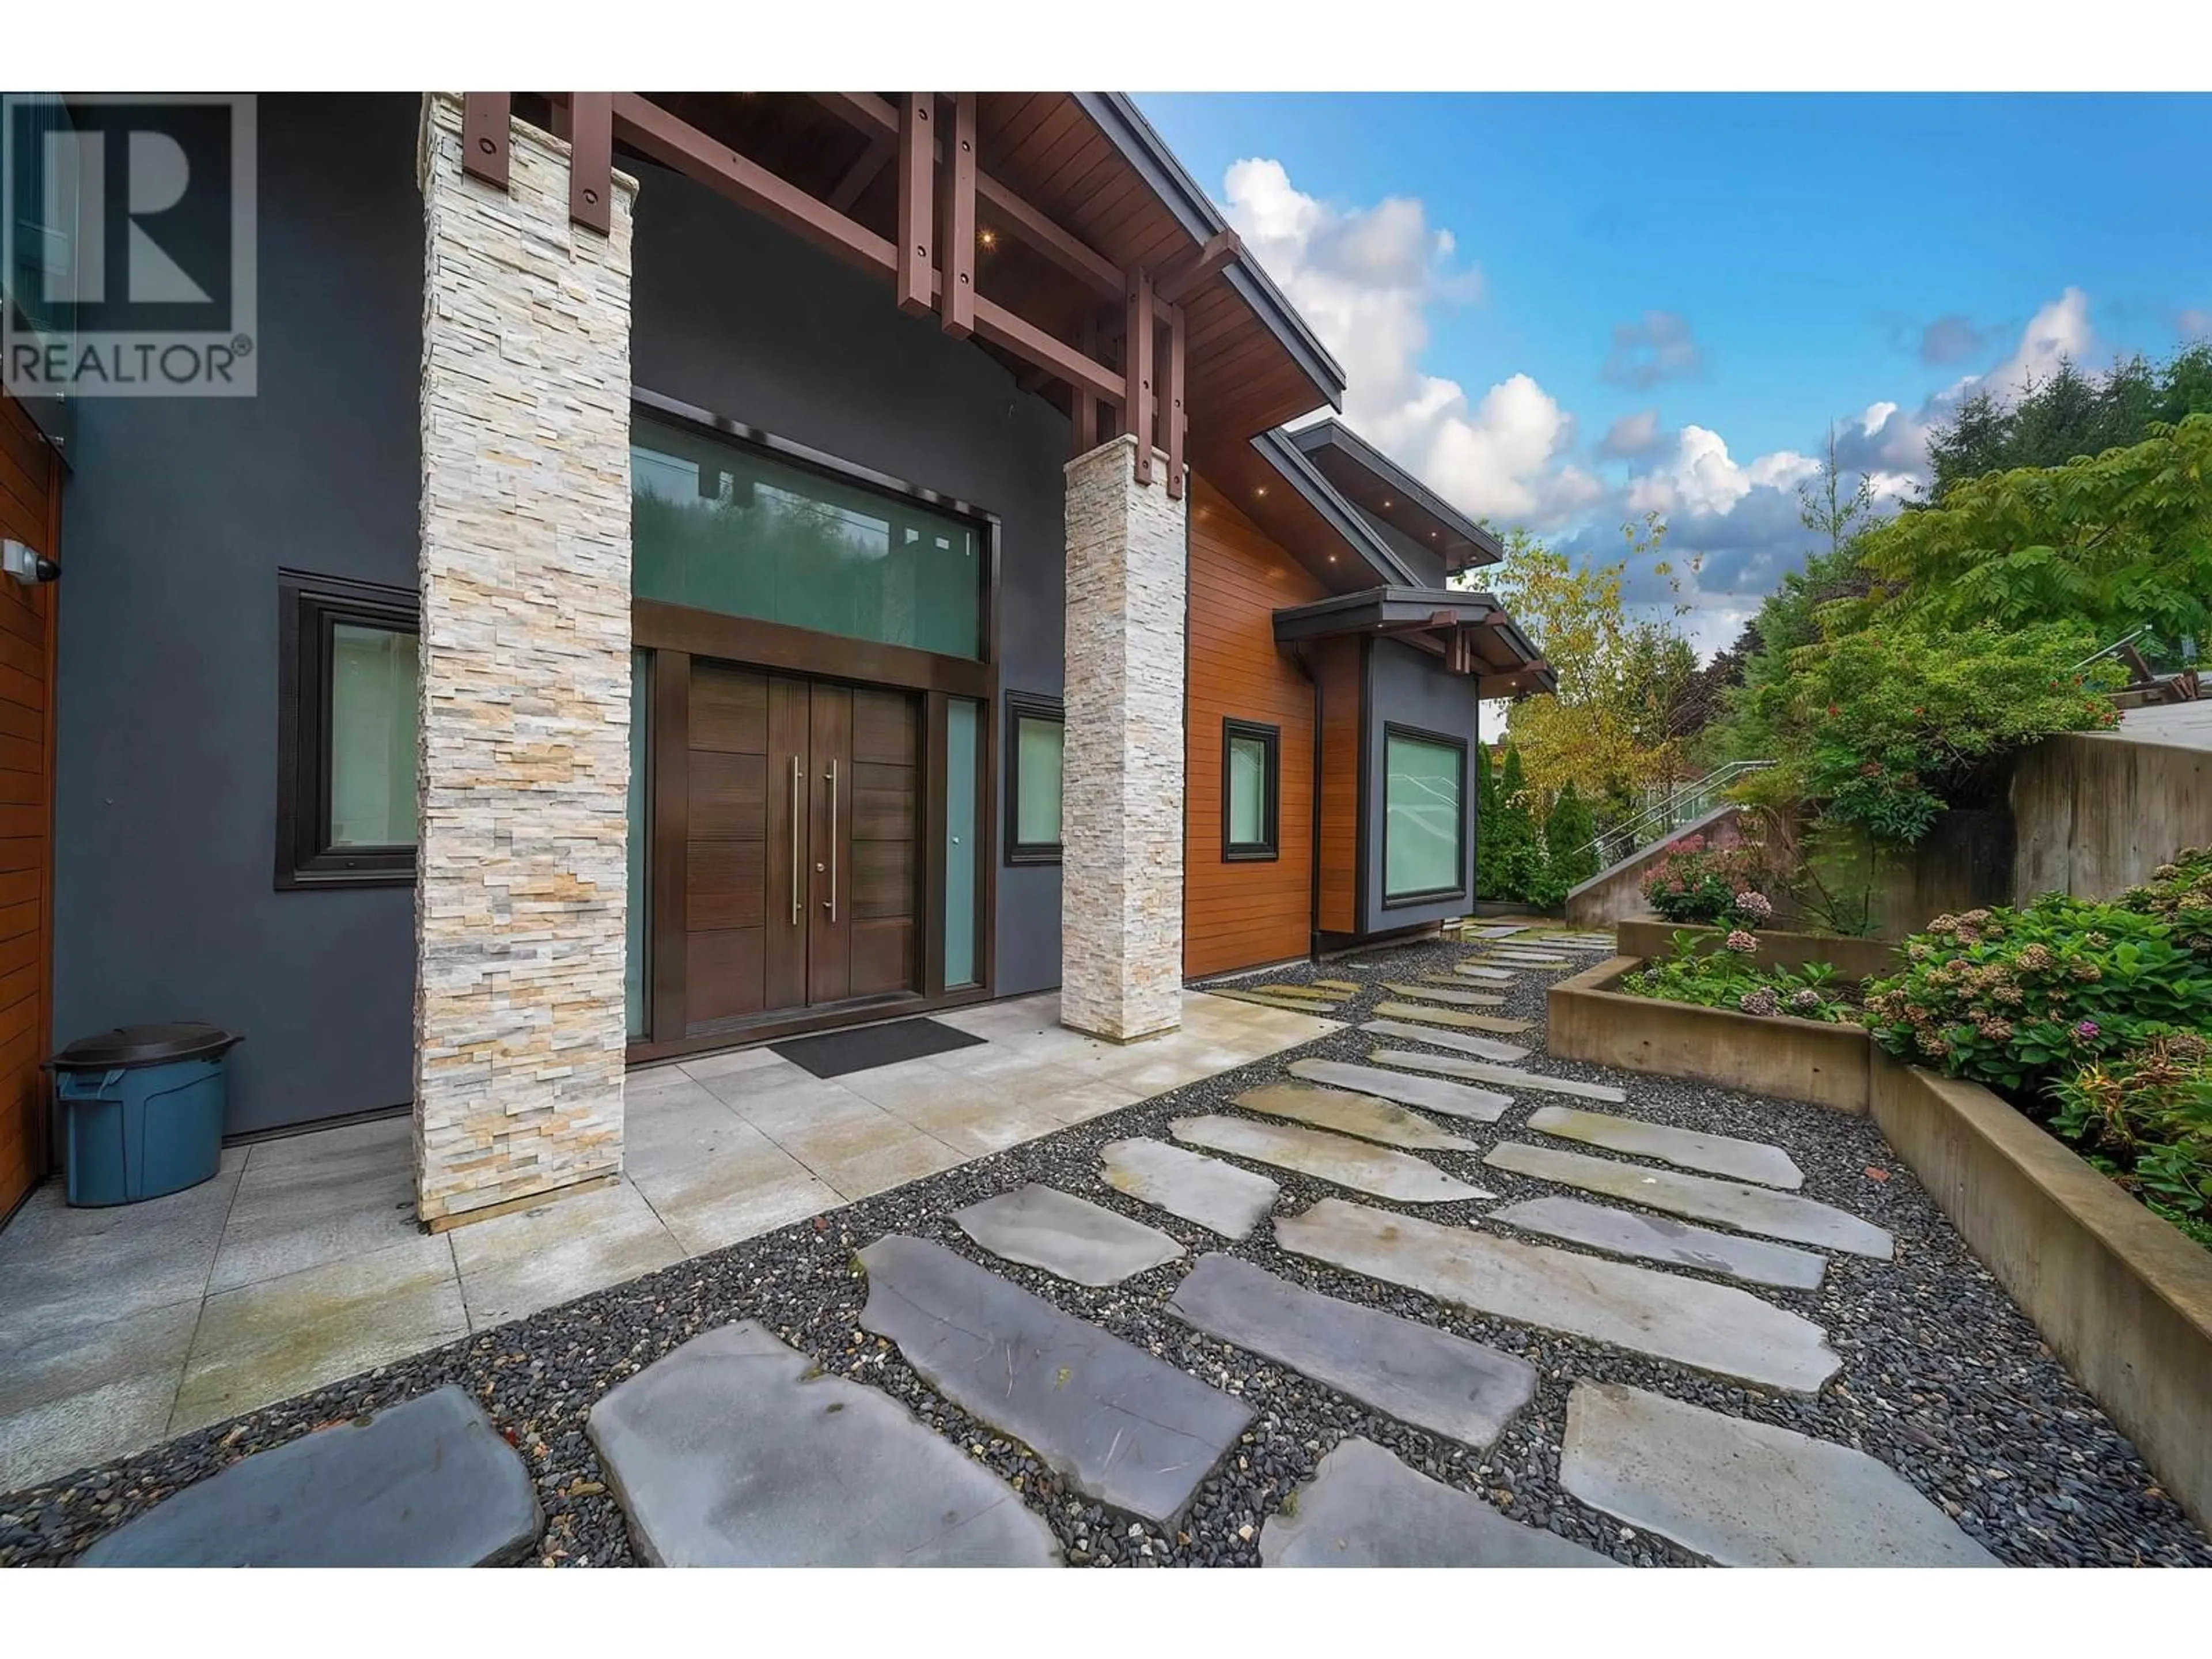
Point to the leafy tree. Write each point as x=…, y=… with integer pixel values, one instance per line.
x=2068, y=416
x=1567, y=833
x=1515, y=854
x=2111, y=543
x=1829, y=511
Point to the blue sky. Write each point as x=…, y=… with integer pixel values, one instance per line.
x=1745, y=267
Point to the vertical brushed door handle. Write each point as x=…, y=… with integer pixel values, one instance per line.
x=832, y=900
x=797, y=788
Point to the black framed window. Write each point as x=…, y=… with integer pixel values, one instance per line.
x=1251, y=789
x=1423, y=815
x=349, y=709
x=1037, y=732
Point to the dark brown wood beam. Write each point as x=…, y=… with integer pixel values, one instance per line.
x=591, y=159
x=1001, y=327
x=956, y=239
x=917, y=177
x=1137, y=370
x=675, y=144
x=1171, y=403
x=862, y=174
x=1083, y=411
x=484, y=118
x=875, y=115
x=1187, y=276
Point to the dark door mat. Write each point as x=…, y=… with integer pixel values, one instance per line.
x=836, y=1053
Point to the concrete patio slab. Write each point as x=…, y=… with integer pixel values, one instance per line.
x=311, y=1199
x=266, y=1342
x=83, y=1396
x=512, y=1265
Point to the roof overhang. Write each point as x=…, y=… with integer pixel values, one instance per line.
x=1370, y=480
x=1471, y=632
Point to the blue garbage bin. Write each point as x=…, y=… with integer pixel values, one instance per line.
x=142, y=1110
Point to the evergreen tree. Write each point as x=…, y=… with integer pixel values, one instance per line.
x=1519, y=852
x=1567, y=832
x=1487, y=828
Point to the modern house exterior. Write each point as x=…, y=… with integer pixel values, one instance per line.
x=703, y=568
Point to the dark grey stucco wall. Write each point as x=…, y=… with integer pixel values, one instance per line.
x=179, y=515
x=1410, y=688
x=731, y=315
x=175, y=519
x=1424, y=563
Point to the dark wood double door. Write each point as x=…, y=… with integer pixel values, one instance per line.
x=800, y=862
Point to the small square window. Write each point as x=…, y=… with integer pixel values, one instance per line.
x=1036, y=733
x=349, y=708
x=1251, y=789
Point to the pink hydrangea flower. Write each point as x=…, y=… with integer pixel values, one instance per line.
x=1740, y=942
x=2087, y=1029
x=1757, y=906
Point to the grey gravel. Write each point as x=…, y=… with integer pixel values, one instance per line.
x=1944, y=1380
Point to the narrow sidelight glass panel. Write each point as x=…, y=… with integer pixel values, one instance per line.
x=1248, y=791
x=1037, y=810
x=1422, y=820
x=636, y=941
x=963, y=725
x=374, y=703
x=724, y=526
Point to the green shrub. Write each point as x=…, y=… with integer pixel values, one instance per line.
x=2014, y=997
x=1730, y=978
x=2179, y=894
x=1695, y=883
x=2145, y=1119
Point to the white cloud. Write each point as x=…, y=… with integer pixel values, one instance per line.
x=2059, y=331
x=1365, y=278
x=2195, y=324
x=1701, y=478
x=1631, y=435
x=1658, y=346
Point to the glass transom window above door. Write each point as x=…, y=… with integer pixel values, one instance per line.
x=721, y=526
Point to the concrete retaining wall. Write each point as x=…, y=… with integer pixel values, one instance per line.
x=2124, y=1297
x=2097, y=812
x=1616, y=893
x=1852, y=958
x=1768, y=1054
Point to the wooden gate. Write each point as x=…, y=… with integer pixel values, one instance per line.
x=30, y=512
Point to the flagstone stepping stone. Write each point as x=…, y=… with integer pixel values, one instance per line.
x=1043, y=1227
x=1505, y=930
x=1399, y=1367
x=1218, y=1196
x=1483, y=1046
x=1663, y=1238
x=1364, y=1169
x=737, y=1451
x=1527, y=959
x=1732, y=1203
x=429, y=1483
x=1352, y=1114
x=1273, y=1000
x=1748, y=1494
x=1366, y=1509
x=1430, y=1094
x=1709, y=1328
x=1469, y=970
x=1127, y=1428
x=1453, y=1016
x=1455, y=999
x=1721, y=1155
x=1339, y=985
x=1311, y=993
x=1505, y=1075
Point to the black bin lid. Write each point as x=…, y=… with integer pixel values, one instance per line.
x=127, y=1046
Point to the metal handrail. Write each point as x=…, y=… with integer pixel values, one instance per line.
x=1667, y=815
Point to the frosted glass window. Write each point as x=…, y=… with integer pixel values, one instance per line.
x=1249, y=791
x=723, y=526
x=373, y=710
x=1423, y=822
x=1039, y=743
x=963, y=733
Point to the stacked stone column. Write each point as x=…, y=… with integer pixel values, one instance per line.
x=524, y=774
x=1121, y=795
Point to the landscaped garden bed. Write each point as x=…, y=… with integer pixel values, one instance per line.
x=1853, y=959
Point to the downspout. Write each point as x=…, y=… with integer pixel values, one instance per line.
x=1313, y=815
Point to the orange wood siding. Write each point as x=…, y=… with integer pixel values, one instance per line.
x=30, y=511
x=1337, y=666
x=1242, y=913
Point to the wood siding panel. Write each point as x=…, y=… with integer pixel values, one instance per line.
x=1338, y=668
x=1240, y=914
x=30, y=508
